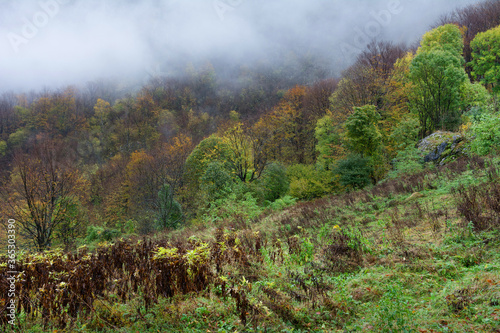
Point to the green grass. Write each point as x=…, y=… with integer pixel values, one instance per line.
x=356, y=262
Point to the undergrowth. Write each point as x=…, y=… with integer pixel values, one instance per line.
x=416, y=253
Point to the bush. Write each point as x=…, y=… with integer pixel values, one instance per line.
x=282, y=203
x=216, y=181
x=307, y=182
x=208, y=151
x=232, y=207
x=3, y=148
x=275, y=182
x=408, y=161
x=354, y=171
x=487, y=134
x=406, y=132
x=170, y=211
x=95, y=233
x=73, y=220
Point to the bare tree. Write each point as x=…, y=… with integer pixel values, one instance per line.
x=43, y=186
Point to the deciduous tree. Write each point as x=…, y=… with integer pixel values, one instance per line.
x=486, y=58
x=438, y=75
x=43, y=186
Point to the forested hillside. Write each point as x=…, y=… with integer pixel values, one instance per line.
x=277, y=200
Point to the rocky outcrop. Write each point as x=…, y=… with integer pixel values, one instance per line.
x=442, y=147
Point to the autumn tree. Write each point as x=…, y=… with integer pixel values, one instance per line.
x=153, y=180
x=381, y=56
x=109, y=192
x=99, y=143
x=42, y=191
x=240, y=144
x=55, y=114
x=366, y=81
x=359, y=86
x=287, y=131
x=317, y=98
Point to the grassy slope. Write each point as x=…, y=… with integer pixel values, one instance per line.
x=381, y=260
x=420, y=267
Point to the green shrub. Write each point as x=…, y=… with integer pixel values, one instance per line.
x=72, y=221
x=216, y=181
x=170, y=211
x=275, y=182
x=95, y=233
x=234, y=205
x=3, y=148
x=210, y=150
x=486, y=134
x=406, y=132
x=308, y=182
x=282, y=203
x=407, y=161
x=354, y=171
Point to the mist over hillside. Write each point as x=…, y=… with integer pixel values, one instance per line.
x=50, y=43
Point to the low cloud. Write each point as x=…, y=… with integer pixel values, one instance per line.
x=58, y=42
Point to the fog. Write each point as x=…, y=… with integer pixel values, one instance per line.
x=51, y=43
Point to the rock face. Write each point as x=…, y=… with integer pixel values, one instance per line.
x=442, y=147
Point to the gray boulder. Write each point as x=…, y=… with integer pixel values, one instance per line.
x=442, y=147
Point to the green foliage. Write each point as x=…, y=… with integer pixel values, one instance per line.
x=447, y=38
x=438, y=77
x=130, y=226
x=394, y=312
x=354, y=171
x=408, y=161
x=72, y=220
x=212, y=149
x=308, y=182
x=486, y=134
x=328, y=137
x=474, y=95
x=485, y=58
x=216, y=181
x=3, y=148
x=95, y=233
x=233, y=206
x=282, y=203
x=170, y=211
x=362, y=131
x=304, y=251
x=406, y=132
x=19, y=137
x=275, y=182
